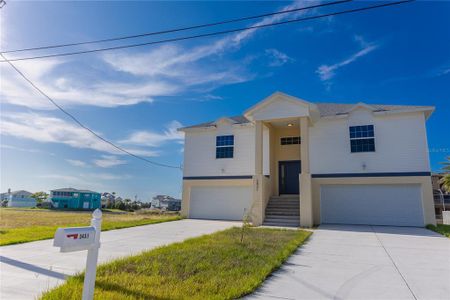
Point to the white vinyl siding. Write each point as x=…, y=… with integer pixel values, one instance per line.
x=401, y=144
x=200, y=152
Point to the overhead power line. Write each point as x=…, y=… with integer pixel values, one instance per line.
x=213, y=33
x=81, y=124
x=178, y=29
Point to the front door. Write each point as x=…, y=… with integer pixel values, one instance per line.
x=288, y=176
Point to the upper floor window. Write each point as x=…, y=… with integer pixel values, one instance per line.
x=224, y=146
x=290, y=140
x=362, y=138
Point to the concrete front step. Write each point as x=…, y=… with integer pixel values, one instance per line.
x=282, y=213
x=281, y=224
x=282, y=218
x=284, y=206
x=285, y=209
x=285, y=197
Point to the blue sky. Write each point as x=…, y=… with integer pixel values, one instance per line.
x=138, y=97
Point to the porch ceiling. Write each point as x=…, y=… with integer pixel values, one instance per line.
x=287, y=123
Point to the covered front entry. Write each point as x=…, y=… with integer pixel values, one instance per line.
x=288, y=172
x=282, y=125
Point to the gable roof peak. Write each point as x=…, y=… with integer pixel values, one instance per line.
x=362, y=104
x=276, y=96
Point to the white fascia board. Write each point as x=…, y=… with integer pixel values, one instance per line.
x=212, y=127
x=197, y=129
x=427, y=110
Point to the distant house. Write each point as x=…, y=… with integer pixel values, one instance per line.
x=166, y=202
x=75, y=199
x=107, y=199
x=19, y=198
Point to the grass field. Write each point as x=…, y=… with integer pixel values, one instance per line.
x=26, y=225
x=216, y=266
x=440, y=228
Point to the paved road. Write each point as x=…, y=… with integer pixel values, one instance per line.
x=364, y=262
x=27, y=270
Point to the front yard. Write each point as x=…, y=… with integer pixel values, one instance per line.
x=440, y=228
x=26, y=225
x=216, y=266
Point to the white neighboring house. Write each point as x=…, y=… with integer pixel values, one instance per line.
x=18, y=198
x=287, y=161
x=164, y=202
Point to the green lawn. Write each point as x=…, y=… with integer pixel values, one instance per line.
x=440, y=228
x=26, y=225
x=216, y=266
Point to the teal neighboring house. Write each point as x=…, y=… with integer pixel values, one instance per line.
x=75, y=199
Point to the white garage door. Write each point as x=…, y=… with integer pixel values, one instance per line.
x=220, y=202
x=398, y=205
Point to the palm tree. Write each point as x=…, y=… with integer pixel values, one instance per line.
x=446, y=164
x=445, y=181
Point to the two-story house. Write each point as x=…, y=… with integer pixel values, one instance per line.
x=287, y=161
x=75, y=199
x=19, y=198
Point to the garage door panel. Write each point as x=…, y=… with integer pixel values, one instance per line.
x=220, y=202
x=398, y=205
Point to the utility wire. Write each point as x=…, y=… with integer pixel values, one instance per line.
x=178, y=29
x=81, y=124
x=213, y=33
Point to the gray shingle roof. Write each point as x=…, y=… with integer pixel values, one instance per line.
x=326, y=110
x=333, y=109
x=237, y=119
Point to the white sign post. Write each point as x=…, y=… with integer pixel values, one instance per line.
x=83, y=238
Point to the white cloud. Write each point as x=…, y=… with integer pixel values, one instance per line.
x=277, y=58
x=30, y=150
x=75, y=90
x=442, y=70
x=326, y=72
x=155, y=139
x=64, y=181
x=108, y=161
x=48, y=129
x=109, y=176
x=69, y=178
x=129, y=77
x=76, y=163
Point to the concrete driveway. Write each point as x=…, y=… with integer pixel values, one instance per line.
x=26, y=270
x=364, y=262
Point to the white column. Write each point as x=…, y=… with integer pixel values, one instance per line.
x=306, y=207
x=257, y=212
x=258, y=147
